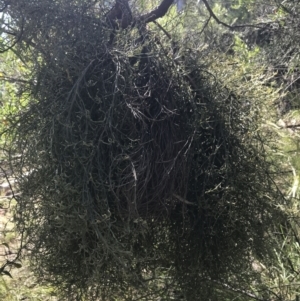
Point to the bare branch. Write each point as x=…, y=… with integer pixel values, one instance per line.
x=157, y=13
x=205, y=25
x=292, y=126
x=212, y=14
x=164, y=6
x=163, y=30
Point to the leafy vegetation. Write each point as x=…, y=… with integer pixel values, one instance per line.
x=152, y=156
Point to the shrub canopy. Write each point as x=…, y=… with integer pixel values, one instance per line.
x=140, y=175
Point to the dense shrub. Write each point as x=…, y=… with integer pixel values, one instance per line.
x=139, y=174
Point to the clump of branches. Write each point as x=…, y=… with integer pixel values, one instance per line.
x=139, y=174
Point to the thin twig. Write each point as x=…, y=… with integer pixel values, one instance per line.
x=163, y=30
x=232, y=27
x=205, y=25
x=238, y=290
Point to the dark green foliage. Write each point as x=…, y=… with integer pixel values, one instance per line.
x=138, y=175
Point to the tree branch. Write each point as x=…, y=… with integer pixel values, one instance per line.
x=164, y=6
x=157, y=13
x=163, y=30
x=212, y=14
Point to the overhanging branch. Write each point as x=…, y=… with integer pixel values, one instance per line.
x=157, y=13
x=232, y=27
